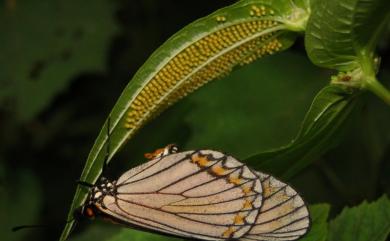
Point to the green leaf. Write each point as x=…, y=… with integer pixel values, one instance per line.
x=206, y=49
x=134, y=235
x=366, y=222
x=46, y=43
x=319, y=226
x=318, y=133
x=340, y=31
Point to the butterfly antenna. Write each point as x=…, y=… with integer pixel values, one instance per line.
x=17, y=228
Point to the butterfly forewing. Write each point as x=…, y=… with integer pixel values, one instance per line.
x=206, y=195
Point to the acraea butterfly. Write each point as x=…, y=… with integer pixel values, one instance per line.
x=203, y=195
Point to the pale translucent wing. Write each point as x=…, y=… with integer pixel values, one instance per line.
x=283, y=215
x=204, y=194
x=149, y=168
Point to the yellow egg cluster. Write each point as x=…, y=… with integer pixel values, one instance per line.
x=210, y=57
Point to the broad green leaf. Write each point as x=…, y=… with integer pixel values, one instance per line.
x=318, y=133
x=339, y=32
x=366, y=222
x=204, y=50
x=46, y=43
x=319, y=226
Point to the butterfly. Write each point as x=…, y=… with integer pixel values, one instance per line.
x=201, y=195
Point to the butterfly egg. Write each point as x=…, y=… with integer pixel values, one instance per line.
x=212, y=56
x=220, y=19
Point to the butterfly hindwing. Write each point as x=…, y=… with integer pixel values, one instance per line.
x=283, y=215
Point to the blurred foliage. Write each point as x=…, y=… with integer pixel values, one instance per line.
x=41, y=157
x=20, y=202
x=44, y=44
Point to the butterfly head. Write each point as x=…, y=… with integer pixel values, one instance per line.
x=95, y=197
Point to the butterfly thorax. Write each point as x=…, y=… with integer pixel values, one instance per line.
x=103, y=188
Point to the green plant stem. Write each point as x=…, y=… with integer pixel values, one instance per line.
x=377, y=88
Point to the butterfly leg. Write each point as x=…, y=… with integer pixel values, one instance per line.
x=168, y=150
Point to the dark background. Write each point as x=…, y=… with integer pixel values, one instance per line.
x=42, y=155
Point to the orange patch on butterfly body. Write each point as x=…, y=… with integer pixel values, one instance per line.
x=89, y=212
x=154, y=154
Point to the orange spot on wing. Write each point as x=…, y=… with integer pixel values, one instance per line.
x=247, y=204
x=235, y=180
x=247, y=189
x=238, y=219
x=228, y=232
x=200, y=160
x=268, y=190
x=218, y=170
